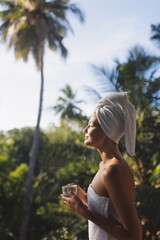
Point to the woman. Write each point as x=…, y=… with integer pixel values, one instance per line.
x=110, y=197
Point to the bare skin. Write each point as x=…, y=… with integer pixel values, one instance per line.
x=114, y=180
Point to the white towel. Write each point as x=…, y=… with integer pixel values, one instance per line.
x=117, y=117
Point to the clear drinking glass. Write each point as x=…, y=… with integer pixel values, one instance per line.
x=73, y=189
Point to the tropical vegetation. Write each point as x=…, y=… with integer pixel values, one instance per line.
x=28, y=27
x=62, y=156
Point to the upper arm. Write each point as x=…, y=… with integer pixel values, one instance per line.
x=115, y=185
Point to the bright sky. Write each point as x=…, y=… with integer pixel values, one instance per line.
x=110, y=29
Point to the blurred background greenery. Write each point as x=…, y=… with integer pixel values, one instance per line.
x=61, y=156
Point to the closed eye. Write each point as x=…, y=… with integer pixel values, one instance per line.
x=91, y=124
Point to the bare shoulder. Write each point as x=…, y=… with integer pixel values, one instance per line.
x=111, y=171
x=118, y=175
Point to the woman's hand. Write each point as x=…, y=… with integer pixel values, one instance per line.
x=82, y=195
x=73, y=201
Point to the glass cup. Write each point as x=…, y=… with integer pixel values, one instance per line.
x=73, y=189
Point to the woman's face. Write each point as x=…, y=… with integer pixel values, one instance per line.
x=94, y=135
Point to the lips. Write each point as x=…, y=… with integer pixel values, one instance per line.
x=86, y=136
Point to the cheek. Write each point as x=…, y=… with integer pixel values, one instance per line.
x=99, y=138
x=95, y=137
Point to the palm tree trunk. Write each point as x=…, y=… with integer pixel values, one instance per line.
x=32, y=161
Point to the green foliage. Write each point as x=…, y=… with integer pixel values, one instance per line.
x=147, y=201
x=12, y=183
x=27, y=26
x=62, y=156
x=19, y=172
x=155, y=177
x=58, y=163
x=67, y=162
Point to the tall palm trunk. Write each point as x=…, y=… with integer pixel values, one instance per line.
x=32, y=161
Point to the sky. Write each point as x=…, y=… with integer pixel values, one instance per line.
x=111, y=28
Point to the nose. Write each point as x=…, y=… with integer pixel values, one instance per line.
x=85, y=129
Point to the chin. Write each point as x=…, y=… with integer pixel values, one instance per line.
x=88, y=143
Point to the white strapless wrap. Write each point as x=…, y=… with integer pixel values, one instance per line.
x=104, y=207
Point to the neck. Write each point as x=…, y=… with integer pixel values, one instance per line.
x=108, y=151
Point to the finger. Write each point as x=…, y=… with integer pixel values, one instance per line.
x=71, y=193
x=67, y=203
x=64, y=197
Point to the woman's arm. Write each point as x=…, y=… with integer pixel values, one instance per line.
x=113, y=228
x=116, y=184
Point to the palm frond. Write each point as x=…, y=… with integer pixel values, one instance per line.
x=80, y=101
x=77, y=12
x=107, y=78
x=68, y=92
x=61, y=7
x=58, y=108
x=61, y=99
x=91, y=92
x=155, y=34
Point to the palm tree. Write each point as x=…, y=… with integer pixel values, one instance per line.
x=27, y=26
x=67, y=107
